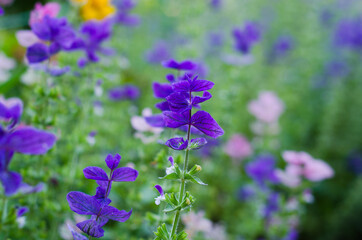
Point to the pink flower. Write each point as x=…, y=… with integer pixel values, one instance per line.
x=50, y=9
x=238, y=147
x=301, y=164
x=267, y=108
x=317, y=170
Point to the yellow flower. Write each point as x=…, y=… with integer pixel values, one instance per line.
x=96, y=9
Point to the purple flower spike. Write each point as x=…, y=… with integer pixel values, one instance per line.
x=112, y=162
x=127, y=92
x=124, y=174
x=171, y=160
x=177, y=143
x=197, y=143
x=185, y=65
x=1, y=11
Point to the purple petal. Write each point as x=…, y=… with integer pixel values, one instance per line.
x=159, y=189
x=95, y=173
x=179, y=101
x=76, y=235
x=201, y=85
x=27, y=189
x=30, y=141
x=91, y=227
x=197, y=143
x=37, y=53
x=42, y=30
x=155, y=120
x=170, y=78
x=124, y=92
x=11, y=182
x=205, y=123
x=175, y=120
x=21, y=211
x=163, y=106
x=124, y=174
x=101, y=190
x=185, y=65
x=112, y=162
x=206, y=96
x=1, y=11
x=54, y=48
x=161, y=90
x=171, y=160
x=82, y=203
x=114, y=214
x=11, y=108
x=177, y=143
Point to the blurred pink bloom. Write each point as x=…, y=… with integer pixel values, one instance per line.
x=26, y=38
x=50, y=9
x=6, y=2
x=238, y=147
x=267, y=108
x=301, y=164
x=317, y=170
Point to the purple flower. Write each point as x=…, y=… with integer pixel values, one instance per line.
x=354, y=161
x=245, y=38
x=127, y=92
x=159, y=52
x=281, y=47
x=94, y=34
x=246, y=193
x=21, y=211
x=123, y=16
x=57, y=32
x=215, y=3
x=262, y=170
x=1, y=11
x=349, y=33
x=25, y=140
x=162, y=195
x=292, y=235
x=181, y=66
x=97, y=206
x=272, y=205
x=177, y=143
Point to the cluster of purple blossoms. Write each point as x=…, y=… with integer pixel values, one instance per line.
x=97, y=206
x=262, y=170
x=123, y=15
x=57, y=32
x=20, y=139
x=246, y=37
x=281, y=47
x=349, y=33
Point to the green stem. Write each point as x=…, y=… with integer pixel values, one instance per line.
x=183, y=183
x=4, y=210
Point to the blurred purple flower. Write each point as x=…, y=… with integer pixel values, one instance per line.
x=348, y=33
x=354, y=161
x=208, y=149
x=245, y=193
x=127, y=92
x=262, y=170
x=95, y=33
x=272, y=205
x=291, y=235
x=25, y=140
x=2, y=12
x=337, y=69
x=123, y=15
x=216, y=4
x=57, y=32
x=246, y=37
x=281, y=47
x=50, y=9
x=186, y=65
x=159, y=52
x=215, y=39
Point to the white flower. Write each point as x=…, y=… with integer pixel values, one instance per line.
x=159, y=199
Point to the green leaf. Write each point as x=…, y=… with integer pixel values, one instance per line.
x=172, y=176
x=162, y=233
x=181, y=236
x=194, y=179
